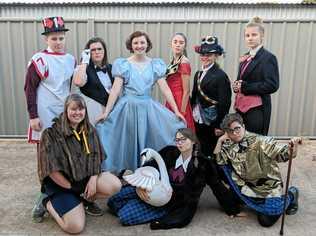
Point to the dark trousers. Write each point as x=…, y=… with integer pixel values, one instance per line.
x=226, y=197
x=207, y=138
x=178, y=217
x=253, y=120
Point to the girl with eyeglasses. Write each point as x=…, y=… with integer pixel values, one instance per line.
x=211, y=95
x=249, y=163
x=93, y=76
x=189, y=171
x=178, y=77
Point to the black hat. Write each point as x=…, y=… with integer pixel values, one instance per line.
x=53, y=24
x=209, y=44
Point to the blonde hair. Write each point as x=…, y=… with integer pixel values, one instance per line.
x=256, y=22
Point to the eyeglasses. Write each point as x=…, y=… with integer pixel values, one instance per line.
x=180, y=140
x=236, y=129
x=96, y=49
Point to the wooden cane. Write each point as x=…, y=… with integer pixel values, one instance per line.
x=287, y=183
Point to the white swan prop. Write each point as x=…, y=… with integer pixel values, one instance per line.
x=147, y=177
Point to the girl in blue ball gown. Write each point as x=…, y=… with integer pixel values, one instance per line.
x=134, y=121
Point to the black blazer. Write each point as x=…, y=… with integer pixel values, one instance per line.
x=216, y=85
x=183, y=204
x=261, y=77
x=93, y=87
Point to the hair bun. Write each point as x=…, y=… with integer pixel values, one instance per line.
x=256, y=20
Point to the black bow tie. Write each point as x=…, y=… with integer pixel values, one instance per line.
x=100, y=69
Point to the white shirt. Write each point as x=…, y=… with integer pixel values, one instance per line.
x=253, y=52
x=103, y=77
x=105, y=80
x=184, y=164
x=49, y=50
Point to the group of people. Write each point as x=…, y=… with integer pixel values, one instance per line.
x=92, y=120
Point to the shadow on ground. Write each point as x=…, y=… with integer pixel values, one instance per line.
x=19, y=187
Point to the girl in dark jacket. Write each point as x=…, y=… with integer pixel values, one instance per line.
x=93, y=76
x=258, y=77
x=211, y=95
x=189, y=171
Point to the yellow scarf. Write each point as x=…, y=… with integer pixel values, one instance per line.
x=85, y=141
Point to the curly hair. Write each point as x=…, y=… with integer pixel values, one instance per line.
x=137, y=34
x=229, y=119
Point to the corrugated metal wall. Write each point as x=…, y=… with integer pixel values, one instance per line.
x=293, y=43
x=162, y=11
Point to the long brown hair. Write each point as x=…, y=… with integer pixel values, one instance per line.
x=185, y=41
x=65, y=124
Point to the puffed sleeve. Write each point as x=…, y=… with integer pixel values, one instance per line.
x=121, y=68
x=159, y=68
x=185, y=68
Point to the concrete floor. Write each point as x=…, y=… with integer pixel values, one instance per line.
x=19, y=187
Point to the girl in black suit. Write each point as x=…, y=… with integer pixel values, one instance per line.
x=94, y=78
x=258, y=77
x=211, y=95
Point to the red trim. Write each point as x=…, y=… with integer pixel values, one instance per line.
x=54, y=53
x=37, y=71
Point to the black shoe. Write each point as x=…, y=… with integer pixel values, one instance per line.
x=161, y=225
x=156, y=225
x=92, y=209
x=293, y=207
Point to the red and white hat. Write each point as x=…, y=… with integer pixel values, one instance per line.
x=53, y=24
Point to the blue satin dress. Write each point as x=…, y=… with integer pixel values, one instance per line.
x=136, y=121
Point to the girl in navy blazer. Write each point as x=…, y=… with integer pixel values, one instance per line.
x=211, y=95
x=258, y=77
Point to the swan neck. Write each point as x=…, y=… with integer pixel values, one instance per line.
x=164, y=177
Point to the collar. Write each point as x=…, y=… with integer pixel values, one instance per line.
x=51, y=52
x=243, y=145
x=95, y=66
x=207, y=68
x=182, y=163
x=253, y=52
x=49, y=49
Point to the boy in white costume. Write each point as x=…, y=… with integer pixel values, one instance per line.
x=47, y=84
